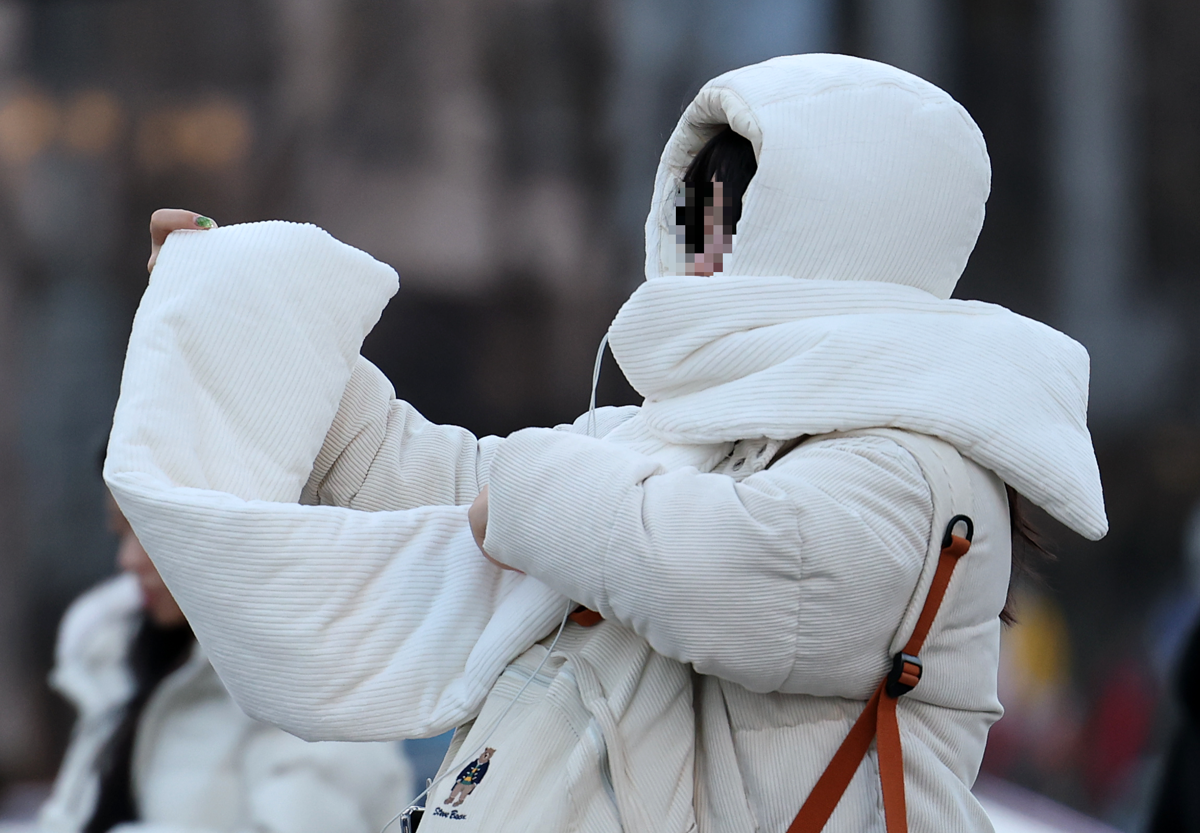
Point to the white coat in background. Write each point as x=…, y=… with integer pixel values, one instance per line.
x=200, y=765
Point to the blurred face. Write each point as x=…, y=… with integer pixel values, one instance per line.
x=157, y=600
x=718, y=239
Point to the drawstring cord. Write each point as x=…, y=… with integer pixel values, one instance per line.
x=595, y=384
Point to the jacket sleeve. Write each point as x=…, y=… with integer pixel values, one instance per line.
x=380, y=453
x=793, y=579
x=336, y=624
x=330, y=622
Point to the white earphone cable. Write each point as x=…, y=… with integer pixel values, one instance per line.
x=595, y=384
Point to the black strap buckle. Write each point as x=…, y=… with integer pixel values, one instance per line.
x=904, y=676
x=969, y=531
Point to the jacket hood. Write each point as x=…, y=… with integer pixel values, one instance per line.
x=865, y=173
x=870, y=189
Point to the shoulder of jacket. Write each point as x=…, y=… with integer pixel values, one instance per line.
x=942, y=465
x=881, y=444
x=937, y=464
x=99, y=617
x=607, y=419
x=93, y=642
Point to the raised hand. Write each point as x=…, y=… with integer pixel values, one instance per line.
x=166, y=220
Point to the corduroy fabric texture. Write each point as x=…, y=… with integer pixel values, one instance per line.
x=600, y=741
x=345, y=624
x=868, y=199
x=788, y=589
x=241, y=351
x=865, y=173
x=870, y=181
x=778, y=357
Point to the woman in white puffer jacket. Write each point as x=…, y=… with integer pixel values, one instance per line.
x=759, y=537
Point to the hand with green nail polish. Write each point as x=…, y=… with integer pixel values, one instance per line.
x=166, y=220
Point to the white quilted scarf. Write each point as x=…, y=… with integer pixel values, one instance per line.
x=726, y=358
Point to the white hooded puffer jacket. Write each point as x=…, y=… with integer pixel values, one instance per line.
x=786, y=585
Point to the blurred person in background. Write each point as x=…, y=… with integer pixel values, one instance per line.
x=1178, y=804
x=159, y=746
x=1178, y=654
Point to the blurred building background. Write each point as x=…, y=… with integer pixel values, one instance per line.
x=500, y=154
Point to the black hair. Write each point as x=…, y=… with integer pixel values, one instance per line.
x=1029, y=552
x=154, y=653
x=729, y=159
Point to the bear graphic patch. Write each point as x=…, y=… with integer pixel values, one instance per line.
x=470, y=777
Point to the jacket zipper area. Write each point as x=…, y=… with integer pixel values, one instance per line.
x=592, y=732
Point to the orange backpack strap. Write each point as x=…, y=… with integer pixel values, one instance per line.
x=584, y=617
x=878, y=720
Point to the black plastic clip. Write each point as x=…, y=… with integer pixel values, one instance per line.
x=955, y=521
x=904, y=676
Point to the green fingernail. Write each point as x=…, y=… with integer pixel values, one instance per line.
x=204, y=222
